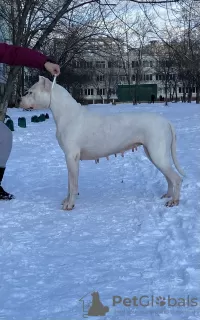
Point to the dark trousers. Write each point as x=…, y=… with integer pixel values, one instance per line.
x=6, y=139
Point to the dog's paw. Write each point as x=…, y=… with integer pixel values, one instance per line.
x=65, y=200
x=67, y=204
x=172, y=203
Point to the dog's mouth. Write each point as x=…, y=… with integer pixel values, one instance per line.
x=23, y=106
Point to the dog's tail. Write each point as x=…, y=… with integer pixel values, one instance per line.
x=173, y=151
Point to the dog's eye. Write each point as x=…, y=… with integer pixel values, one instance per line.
x=30, y=92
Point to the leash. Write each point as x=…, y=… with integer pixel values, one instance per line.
x=53, y=83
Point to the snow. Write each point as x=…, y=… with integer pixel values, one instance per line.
x=120, y=239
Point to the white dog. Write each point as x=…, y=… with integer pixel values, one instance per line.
x=84, y=135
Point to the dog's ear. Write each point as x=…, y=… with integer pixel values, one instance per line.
x=45, y=83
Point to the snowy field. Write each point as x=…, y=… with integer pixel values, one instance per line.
x=120, y=239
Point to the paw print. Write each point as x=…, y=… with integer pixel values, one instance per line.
x=161, y=301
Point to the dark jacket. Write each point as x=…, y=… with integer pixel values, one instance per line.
x=20, y=56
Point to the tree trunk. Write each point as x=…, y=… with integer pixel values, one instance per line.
x=184, y=95
x=176, y=94
x=135, y=95
x=18, y=92
x=198, y=95
x=22, y=81
x=190, y=95
x=9, y=87
x=166, y=103
x=108, y=98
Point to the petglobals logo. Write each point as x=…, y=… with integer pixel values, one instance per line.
x=151, y=301
x=93, y=308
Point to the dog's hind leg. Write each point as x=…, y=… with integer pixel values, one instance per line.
x=176, y=182
x=173, y=179
x=169, y=193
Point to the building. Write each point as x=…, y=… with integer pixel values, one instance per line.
x=139, y=71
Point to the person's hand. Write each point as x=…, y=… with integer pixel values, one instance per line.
x=53, y=68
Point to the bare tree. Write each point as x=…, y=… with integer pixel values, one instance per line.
x=182, y=16
x=164, y=66
x=29, y=23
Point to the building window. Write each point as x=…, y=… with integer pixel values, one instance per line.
x=172, y=77
x=160, y=77
x=135, y=64
x=113, y=64
x=100, y=77
x=151, y=64
x=145, y=64
x=101, y=92
x=148, y=77
x=87, y=64
x=100, y=64
x=180, y=90
x=89, y=92
x=193, y=89
x=133, y=77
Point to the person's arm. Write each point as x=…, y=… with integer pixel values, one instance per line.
x=20, y=56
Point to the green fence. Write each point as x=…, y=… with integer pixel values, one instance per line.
x=141, y=92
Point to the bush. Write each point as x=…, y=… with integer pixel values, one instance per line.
x=42, y=118
x=9, y=123
x=22, y=122
x=34, y=119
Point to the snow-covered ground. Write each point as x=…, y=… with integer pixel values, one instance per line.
x=119, y=240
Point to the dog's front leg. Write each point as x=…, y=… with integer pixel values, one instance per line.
x=68, y=193
x=72, y=160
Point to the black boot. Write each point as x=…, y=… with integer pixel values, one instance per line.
x=3, y=194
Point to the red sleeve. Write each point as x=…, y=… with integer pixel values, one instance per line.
x=19, y=56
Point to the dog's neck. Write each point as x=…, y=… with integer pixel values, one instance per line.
x=62, y=105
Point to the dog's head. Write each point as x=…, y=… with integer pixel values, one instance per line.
x=95, y=295
x=38, y=96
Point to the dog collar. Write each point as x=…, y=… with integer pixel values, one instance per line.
x=54, y=80
x=53, y=83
